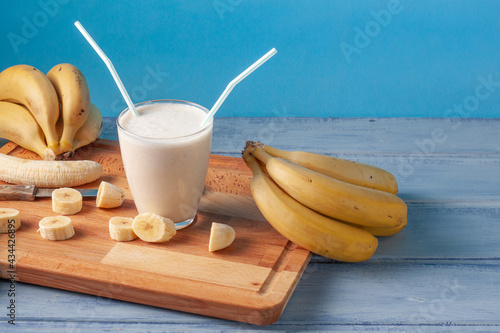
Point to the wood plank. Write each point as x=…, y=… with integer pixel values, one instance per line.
x=354, y=136
x=368, y=296
x=43, y=326
x=362, y=135
x=461, y=231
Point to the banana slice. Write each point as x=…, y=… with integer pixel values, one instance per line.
x=56, y=228
x=221, y=236
x=109, y=196
x=9, y=217
x=120, y=229
x=66, y=201
x=154, y=228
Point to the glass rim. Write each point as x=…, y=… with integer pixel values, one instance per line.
x=166, y=101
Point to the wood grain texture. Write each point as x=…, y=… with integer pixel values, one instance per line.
x=441, y=274
x=250, y=281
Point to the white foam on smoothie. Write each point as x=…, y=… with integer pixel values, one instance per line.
x=163, y=121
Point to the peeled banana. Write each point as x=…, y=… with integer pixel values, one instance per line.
x=56, y=228
x=28, y=86
x=345, y=170
x=73, y=93
x=335, y=198
x=17, y=124
x=66, y=201
x=313, y=231
x=221, y=236
x=16, y=170
x=9, y=220
x=120, y=229
x=154, y=228
x=109, y=196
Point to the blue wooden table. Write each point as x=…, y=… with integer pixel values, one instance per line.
x=442, y=273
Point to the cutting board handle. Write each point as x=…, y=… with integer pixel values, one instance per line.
x=17, y=192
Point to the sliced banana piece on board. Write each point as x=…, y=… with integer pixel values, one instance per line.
x=221, y=236
x=151, y=227
x=9, y=220
x=56, y=228
x=109, y=196
x=120, y=229
x=66, y=201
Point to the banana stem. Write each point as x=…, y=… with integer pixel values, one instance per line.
x=276, y=152
x=247, y=153
x=262, y=155
x=253, y=165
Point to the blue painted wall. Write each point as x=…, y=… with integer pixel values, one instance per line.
x=429, y=58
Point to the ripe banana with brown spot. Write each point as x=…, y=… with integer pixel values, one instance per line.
x=345, y=170
x=73, y=93
x=313, y=231
x=17, y=170
x=86, y=134
x=17, y=124
x=90, y=130
x=335, y=198
x=28, y=86
x=376, y=231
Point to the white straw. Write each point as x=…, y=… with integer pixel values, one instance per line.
x=235, y=81
x=108, y=64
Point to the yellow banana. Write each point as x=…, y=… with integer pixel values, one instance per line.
x=348, y=171
x=90, y=130
x=86, y=134
x=73, y=93
x=315, y=232
x=26, y=85
x=18, y=125
x=335, y=198
x=376, y=231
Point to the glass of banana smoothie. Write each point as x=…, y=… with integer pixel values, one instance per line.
x=165, y=152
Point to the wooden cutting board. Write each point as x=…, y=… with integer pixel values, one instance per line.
x=250, y=281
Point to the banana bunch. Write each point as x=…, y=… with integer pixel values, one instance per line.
x=329, y=206
x=51, y=114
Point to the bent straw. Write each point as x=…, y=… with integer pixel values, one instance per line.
x=109, y=64
x=235, y=81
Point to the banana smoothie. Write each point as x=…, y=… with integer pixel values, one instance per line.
x=165, y=152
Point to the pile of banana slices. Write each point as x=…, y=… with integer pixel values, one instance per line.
x=51, y=114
